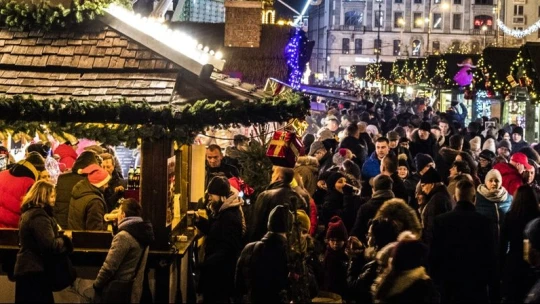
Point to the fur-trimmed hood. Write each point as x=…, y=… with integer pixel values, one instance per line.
x=405, y=217
x=416, y=138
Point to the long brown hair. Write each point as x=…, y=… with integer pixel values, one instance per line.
x=524, y=205
x=39, y=194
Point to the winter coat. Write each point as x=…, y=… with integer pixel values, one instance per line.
x=534, y=294
x=398, y=187
x=360, y=278
x=517, y=275
x=277, y=193
x=444, y=161
x=511, y=179
x=112, y=197
x=39, y=240
x=324, y=165
x=410, y=286
x=64, y=186
x=313, y=217
x=516, y=146
x=261, y=271
x=223, y=245
x=14, y=184
x=438, y=202
x=223, y=170
x=357, y=147
x=462, y=256
x=369, y=142
x=428, y=146
x=371, y=168
x=335, y=264
x=129, y=247
x=309, y=177
x=86, y=208
x=368, y=211
x=344, y=205
x=493, y=208
x=67, y=155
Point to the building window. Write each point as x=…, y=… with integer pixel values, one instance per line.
x=482, y=20
x=377, y=43
x=437, y=21
x=483, y=2
x=398, y=19
x=398, y=1
x=437, y=1
x=358, y=46
x=417, y=1
x=345, y=46
x=518, y=10
x=418, y=21
x=456, y=21
x=379, y=18
x=457, y=1
x=416, y=45
x=436, y=47
x=353, y=18
x=397, y=47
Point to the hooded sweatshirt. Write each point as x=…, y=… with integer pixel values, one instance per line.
x=87, y=207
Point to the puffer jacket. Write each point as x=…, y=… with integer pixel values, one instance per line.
x=39, y=238
x=14, y=184
x=67, y=155
x=87, y=207
x=371, y=168
x=428, y=146
x=494, y=210
x=224, y=235
x=511, y=179
x=128, y=247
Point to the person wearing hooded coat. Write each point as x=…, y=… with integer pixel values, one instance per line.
x=126, y=259
x=224, y=230
x=428, y=146
x=65, y=184
x=87, y=206
x=382, y=191
x=339, y=201
x=14, y=184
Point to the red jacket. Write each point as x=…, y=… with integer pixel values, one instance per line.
x=67, y=156
x=14, y=184
x=511, y=179
x=312, y=217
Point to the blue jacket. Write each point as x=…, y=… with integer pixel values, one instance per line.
x=372, y=167
x=495, y=211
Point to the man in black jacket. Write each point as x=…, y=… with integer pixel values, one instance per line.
x=279, y=192
x=216, y=167
x=436, y=201
x=462, y=257
x=357, y=146
x=423, y=141
x=389, y=166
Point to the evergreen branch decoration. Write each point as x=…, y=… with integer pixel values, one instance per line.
x=48, y=14
x=114, y=122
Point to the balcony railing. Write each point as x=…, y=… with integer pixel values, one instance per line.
x=355, y=28
x=489, y=32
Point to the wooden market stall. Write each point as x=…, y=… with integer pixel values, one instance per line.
x=106, y=80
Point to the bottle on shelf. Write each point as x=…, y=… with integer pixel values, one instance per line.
x=131, y=177
x=137, y=178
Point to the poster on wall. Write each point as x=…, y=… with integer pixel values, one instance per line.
x=171, y=163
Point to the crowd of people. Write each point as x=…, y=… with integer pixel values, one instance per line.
x=391, y=203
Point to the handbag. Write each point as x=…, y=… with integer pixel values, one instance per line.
x=60, y=271
x=119, y=291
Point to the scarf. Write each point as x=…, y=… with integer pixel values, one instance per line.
x=497, y=196
x=382, y=193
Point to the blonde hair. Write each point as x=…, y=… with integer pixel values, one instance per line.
x=39, y=194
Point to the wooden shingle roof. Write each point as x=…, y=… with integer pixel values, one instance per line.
x=92, y=62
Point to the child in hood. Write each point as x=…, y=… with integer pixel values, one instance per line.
x=335, y=261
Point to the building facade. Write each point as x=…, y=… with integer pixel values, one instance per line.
x=520, y=15
x=346, y=31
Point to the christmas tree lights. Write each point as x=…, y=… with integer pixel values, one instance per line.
x=295, y=52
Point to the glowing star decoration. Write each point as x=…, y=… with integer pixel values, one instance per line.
x=176, y=40
x=519, y=33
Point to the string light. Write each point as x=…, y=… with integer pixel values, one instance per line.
x=293, y=52
x=518, y=33
x=178, y=41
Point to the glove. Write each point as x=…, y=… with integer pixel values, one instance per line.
x=348, y=190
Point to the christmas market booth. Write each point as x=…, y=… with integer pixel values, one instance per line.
x=409, y=77
x=111, y=76
x=491, y=86
x=378, y=76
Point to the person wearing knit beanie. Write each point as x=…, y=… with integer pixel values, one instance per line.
x=431, y=177
x=485, y=163
x=422, y=161
x=279, y=220
x=341, y=156
x=504, y=148
x=403, y=167
x=303, y=220
x=489, y=144
x=475, y=145
x=96, y=175
x=219, y=186
x=336, y=231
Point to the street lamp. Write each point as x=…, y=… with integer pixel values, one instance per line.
x=484, y=30
x=444, y=6
x=379, y=25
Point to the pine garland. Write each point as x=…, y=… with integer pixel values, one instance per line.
x=123, y=121
x=45, y=15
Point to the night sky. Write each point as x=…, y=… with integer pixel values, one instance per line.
x=283, y=12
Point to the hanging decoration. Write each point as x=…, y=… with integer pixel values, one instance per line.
x=373, y=72
x=441, y=79
x=523, y=75
x=518, y=33
x=297, y=55
x=118, y=122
